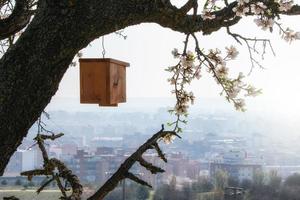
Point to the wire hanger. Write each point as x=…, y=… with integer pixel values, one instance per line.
x=103, y=48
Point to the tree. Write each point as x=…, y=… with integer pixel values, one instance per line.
x=233, y=182
x=203, y=184
x=34, y=64
x=274, y=181
x=142, y=193
x=258, y=178
x=221, y=179
x=291, y=188
x=293, y=180
x=246, y=184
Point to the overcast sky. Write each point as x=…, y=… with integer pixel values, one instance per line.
x=148, y=50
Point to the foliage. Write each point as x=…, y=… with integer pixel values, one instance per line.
x=265, y=187
x=133, y=191
x=142, y=193
x=221, y=180
x=203, y=184
x=201, y=189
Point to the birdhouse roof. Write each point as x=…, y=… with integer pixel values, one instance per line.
x=111, y=60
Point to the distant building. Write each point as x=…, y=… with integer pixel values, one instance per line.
x=237, y=171
x=27, y=160
x=237, y=164
x=104, y=150
x=22, y=160
x=107, y=141
x=15, y=163
x=69, y=149
x=95, y=167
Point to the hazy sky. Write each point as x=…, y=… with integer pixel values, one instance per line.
x=148, y=50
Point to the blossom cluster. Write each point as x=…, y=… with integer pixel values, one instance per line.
x=266, y=16
x=232, y=87
x=183, y=73
x=209, y=7
x=285, y=5
x=189, y=68
x=289, y=35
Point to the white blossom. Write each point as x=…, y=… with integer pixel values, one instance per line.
x=190, y=55
x=258, y=8
x=181, y=109
x=290, y=35
x=232, y=52
x=207, y=15
x=169, y=139
x=239, y=104
x=187, y=62
x=222, y=71
x=242, y=2
x=240, y=10
x=172, y=81
x=233, y=93
x=285, y=5
x=198, y=72
x=252, y=91
x=264, y=23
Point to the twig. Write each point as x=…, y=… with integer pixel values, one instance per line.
x=246, y=40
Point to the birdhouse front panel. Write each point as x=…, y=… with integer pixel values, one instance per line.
x=102, y=81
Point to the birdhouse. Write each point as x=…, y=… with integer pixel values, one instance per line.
x=102, y=81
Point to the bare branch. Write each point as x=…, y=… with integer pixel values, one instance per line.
x=35, y=172
x=150, y=167
x=137, y=179
x=123, y=171
x=18, y=19
x=159, y=152
x=253, y=48
x=53, y=164
x=188, y=6
x=44, y=185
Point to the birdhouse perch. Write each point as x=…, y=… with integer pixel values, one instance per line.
x=102, y=81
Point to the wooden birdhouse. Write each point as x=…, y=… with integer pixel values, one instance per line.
x=102, y=81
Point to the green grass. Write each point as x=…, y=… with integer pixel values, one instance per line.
x=31, y=194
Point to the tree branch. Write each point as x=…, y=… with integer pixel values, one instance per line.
x=50, y=165
x=18, y=19
x=137, y=179
x=123, y=171
x=150, y=167
x=188, y=6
